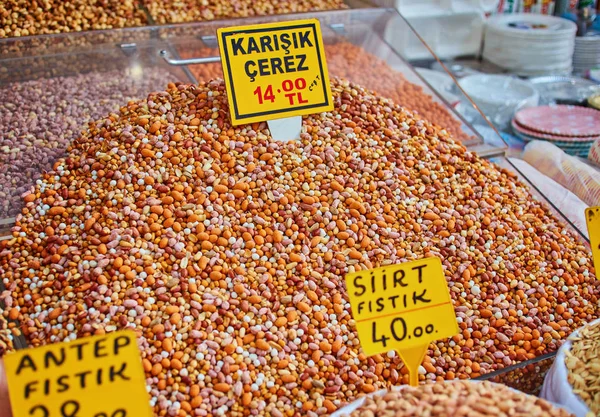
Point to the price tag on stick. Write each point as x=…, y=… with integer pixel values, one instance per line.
x=402, y=307
x=98, y=376
x=275, y=71
x=592, y=218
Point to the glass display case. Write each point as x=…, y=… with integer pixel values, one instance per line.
x=104, y=69
x=50, y=86
x=356, y=50
x=528, y=376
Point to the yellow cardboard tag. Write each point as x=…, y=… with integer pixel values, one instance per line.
x=402, y=307
x=592, y=217
x=274, y=70
x=98, y=376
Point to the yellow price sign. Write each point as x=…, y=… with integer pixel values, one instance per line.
x=402, y=307
x=274, y=70
x=592, y=217
x=98, y=376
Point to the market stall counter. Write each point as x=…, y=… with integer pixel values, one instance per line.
x=226, y=250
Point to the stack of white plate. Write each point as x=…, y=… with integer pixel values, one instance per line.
x=587, y=53
x=530, y=44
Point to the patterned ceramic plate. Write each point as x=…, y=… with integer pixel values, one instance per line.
x=578, y=149
x=560, y=120
x=553, y=138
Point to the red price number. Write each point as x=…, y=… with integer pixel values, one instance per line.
x=288, y=87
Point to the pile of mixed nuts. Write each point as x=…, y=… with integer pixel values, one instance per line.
x=459, y=399
x=41, y=117
x=39, y=17
x=226, y=251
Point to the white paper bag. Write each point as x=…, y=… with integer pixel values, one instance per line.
x=556, y=386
